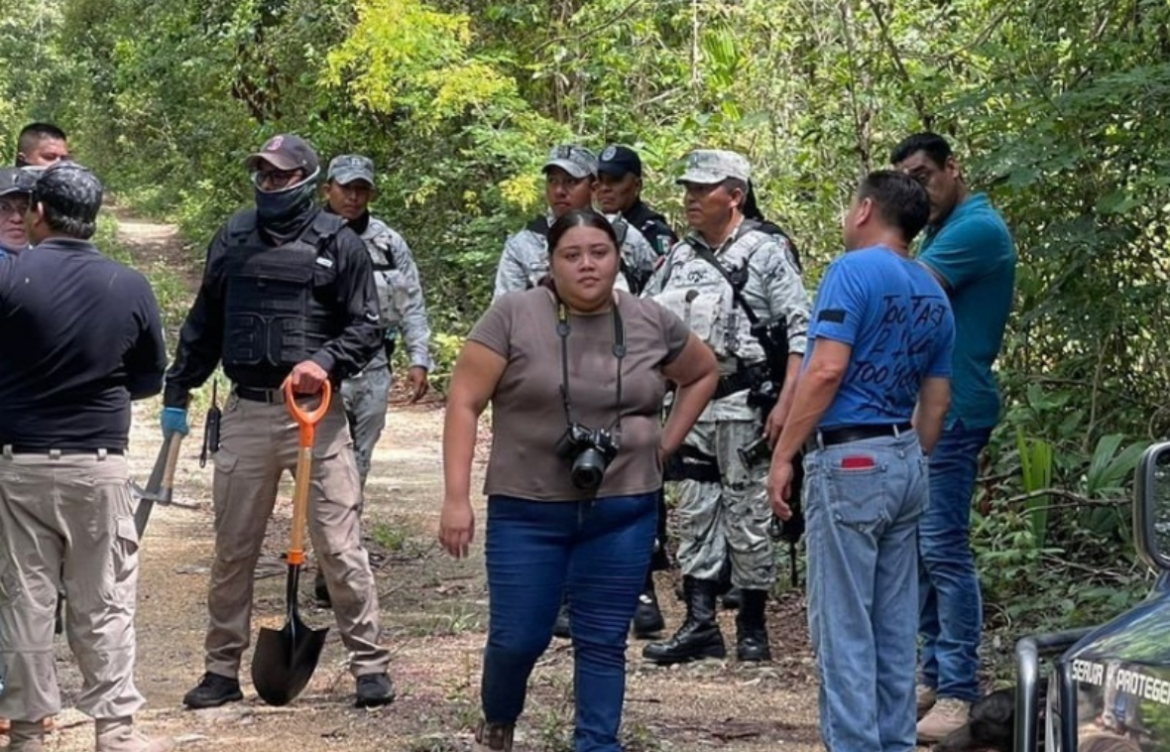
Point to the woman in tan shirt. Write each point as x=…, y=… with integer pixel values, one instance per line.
x=576, y=374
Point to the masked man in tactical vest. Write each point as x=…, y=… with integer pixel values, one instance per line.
x=570, y=178
x=349, y=187
x=737, y=284
x=288, y=294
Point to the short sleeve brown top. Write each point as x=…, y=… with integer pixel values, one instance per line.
x=528, y=415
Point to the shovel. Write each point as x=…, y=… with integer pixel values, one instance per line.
x=160, y=487
x=285, y=659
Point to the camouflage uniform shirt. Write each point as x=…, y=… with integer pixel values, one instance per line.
x=525, y=259
x=694, y=290
x=400, y=294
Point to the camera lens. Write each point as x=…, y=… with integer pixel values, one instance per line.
x=588, y=469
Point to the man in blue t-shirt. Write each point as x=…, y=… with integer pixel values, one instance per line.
x=870, y=403
x=969, y=250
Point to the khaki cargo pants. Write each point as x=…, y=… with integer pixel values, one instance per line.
x=67, y=522
x=258, y=442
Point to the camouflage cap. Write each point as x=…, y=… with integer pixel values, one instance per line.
x=347, y=168
x=70, y=189
x=573, y=159
x=709, y=166
x=14, y=180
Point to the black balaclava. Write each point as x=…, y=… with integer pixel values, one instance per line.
x=283, y=214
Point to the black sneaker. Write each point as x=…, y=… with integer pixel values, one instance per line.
x=212, y=691
x=648, y=619
x=374, y=690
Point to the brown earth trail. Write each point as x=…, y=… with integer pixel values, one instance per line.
x=433, y=618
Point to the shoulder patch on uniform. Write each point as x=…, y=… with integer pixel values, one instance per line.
x=325, y=261
x=832, y=315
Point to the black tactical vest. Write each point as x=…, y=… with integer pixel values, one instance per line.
x=279, y=302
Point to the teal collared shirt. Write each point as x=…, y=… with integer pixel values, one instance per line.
x=974, y=254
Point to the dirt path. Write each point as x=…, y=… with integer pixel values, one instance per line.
x=433, y=617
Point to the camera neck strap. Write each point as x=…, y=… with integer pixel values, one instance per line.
x=619, y=352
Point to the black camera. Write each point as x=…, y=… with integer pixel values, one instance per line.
x=590, y=451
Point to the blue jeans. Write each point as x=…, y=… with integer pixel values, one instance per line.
x=951, y=610
x=862, y=504
x=596, y=552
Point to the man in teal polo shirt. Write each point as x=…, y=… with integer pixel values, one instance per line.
x=969, y=249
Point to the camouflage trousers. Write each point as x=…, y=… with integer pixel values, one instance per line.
x=726, y=521
x=366, y=396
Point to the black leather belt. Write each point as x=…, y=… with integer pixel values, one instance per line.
x=268, y=396
x=845, y=434
x=19, y=449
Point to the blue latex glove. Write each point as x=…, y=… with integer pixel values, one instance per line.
x=174, y=419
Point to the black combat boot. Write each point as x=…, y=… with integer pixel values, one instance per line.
x=212, y=691
x=699, y=636
x=751, y=631
x=728, y=593
x=648, y=619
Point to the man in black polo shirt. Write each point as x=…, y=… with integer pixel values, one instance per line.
x=288, y=294
x=81, y=338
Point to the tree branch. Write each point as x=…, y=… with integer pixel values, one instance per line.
x=1073, y=499
x=860, y=119
x=589, y=32
x=919, y=103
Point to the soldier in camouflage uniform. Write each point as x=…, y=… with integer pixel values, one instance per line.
x=570, y=176
x=726, y=276
x=348, y=191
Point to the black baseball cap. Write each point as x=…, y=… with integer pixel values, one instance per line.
x=285, y=152
x=618, y=160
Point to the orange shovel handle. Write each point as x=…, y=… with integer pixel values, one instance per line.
x=307, y=420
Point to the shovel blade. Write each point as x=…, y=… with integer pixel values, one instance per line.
x=285, y=660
